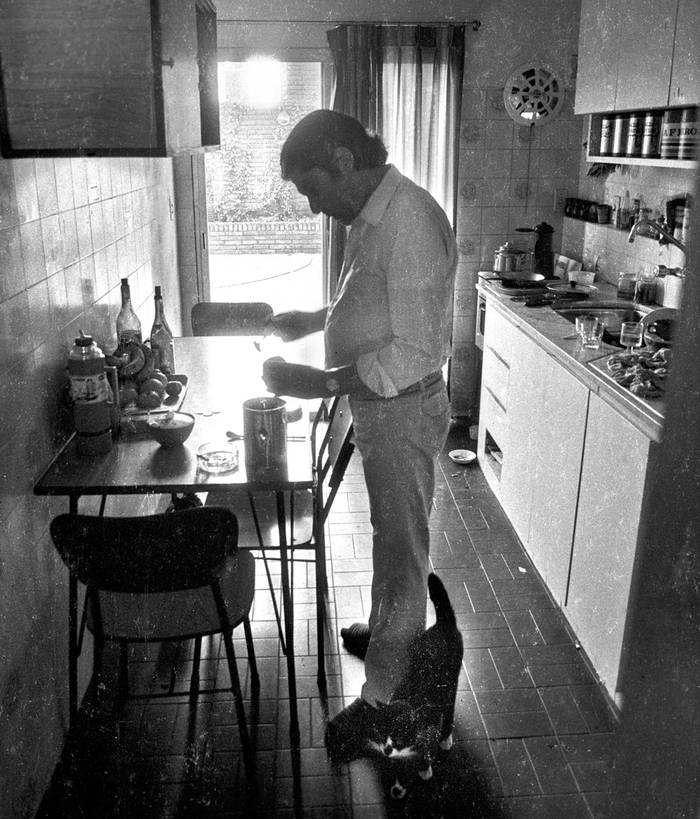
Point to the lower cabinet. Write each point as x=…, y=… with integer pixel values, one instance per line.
x=609, y=507
x=569, y=472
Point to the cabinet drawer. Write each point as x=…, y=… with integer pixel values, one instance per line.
x=493, y=416
x=499, y=334
x=495, y=374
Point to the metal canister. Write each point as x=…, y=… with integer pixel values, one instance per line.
x=671, y=133
x=689, y=134
x=606, y=129
x=635, y=134
x=619, y=138
x=651, y=136
x=265, y=436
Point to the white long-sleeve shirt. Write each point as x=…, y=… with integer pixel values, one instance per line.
x=392, y=312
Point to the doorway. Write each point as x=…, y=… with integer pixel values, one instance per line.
x=264, y=242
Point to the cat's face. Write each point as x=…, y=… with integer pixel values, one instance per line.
x=395, y=731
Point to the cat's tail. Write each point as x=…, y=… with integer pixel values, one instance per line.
x=443, y=608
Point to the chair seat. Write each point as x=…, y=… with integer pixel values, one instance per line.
x=180, y=614
x=266, y=509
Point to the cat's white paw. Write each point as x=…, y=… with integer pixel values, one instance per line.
x=427, y=773
x=447, y=743
x=397, y=790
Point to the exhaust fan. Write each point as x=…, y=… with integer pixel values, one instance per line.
x=533, y=95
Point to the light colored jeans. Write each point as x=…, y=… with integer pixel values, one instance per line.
x=398, y=439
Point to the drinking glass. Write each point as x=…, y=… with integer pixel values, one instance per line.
x=631, y=333
x=591, y=333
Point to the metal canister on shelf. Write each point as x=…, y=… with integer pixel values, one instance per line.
x=635, y=135
x=671, y=133
x=606, y=130
x=619, y=137
x=689, y=133
x=651, y=135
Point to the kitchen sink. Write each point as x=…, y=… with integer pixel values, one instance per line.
x=611, y=313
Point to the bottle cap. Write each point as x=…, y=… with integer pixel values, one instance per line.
x=83, y=341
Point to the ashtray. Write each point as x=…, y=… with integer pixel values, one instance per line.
x=462, y=456
x=215, y=457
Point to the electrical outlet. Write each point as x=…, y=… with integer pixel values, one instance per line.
x=559, y=199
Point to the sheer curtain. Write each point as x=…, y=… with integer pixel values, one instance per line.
x=405, y=82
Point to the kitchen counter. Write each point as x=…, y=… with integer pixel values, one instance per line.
x=555, y=335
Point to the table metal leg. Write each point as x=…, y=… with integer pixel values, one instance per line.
x=288, y=621
x=72, y=634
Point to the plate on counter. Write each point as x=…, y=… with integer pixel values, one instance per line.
x=462, y=456
x=572, y=287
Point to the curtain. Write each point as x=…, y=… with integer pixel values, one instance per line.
x=405, y=83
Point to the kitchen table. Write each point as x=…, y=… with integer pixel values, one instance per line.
x=222, y=372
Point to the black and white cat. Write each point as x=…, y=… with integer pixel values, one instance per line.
x=418, y=720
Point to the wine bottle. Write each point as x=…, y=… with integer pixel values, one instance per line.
x=162, y=337
x=128, y=324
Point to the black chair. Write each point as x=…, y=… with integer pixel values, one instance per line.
x=211, y=318
x=332, y=447
x=159, y=578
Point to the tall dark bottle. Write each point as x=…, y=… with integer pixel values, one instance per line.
x=128, y=324
x=162, y=337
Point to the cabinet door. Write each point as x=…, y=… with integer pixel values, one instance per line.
x=557, y=449
x=76, y=79
x=133, y=81
x=647, y=31
x=685, y=74
x=524, y=411
x=599, y=40
x=605, y=539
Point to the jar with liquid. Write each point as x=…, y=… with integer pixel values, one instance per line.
x=626, y=285
x=645, y=288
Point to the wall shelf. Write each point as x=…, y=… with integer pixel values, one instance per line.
x=683, y=164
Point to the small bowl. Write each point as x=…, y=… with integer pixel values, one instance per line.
x=171, y=428
x=462, y=456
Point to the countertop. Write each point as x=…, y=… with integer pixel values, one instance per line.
x=554, y=334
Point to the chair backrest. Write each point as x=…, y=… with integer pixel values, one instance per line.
x=333, y=453
x=211, y=318
x=154, y=553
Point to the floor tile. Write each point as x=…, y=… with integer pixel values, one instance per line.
x=533, y=736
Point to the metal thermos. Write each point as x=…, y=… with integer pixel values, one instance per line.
x=265, y=436
x=544, y=258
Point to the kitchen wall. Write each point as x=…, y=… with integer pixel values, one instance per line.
x=609, y=247
x=69, y=230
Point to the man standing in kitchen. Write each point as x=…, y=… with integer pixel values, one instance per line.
x=387, y=335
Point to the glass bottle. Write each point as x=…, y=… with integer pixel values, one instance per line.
x=626, y=211
x=128, y=324
x=162, y=337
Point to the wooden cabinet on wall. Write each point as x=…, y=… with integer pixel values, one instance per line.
x=637, y=55
x=609, y=507
x=136, y=79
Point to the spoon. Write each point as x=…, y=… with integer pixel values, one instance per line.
x=234, y=436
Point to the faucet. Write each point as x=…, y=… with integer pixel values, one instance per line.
x=660, y=229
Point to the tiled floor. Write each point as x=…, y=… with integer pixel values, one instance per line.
x=533, y=731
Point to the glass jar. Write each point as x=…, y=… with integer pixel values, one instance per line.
x=626, y=285
x=645, y=288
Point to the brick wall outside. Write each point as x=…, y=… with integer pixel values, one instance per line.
x=265, y=237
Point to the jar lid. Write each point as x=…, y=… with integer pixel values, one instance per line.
x=83, y=341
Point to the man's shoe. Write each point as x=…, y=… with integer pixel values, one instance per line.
x=356, y=639
x=347, y=733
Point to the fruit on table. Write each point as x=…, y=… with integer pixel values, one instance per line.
x=161, y=376
x=173, y=388
x=152, y=385
x=127, y=395
x=148, y=400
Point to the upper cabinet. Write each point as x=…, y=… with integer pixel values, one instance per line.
x=637, y=55
x=685, y=76
x=138, y=79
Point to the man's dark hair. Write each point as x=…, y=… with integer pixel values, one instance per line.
x=313, y=140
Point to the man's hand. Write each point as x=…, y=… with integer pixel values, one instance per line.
x=296, y=380
x=297, y=324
